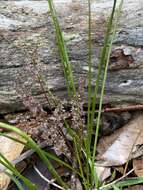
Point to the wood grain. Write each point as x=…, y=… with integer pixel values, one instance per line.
x=26, y=27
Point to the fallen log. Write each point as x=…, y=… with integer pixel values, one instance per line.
x=26, y=28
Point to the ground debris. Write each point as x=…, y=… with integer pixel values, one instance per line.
x=117, y=148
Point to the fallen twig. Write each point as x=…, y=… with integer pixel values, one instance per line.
x=123, y=109
x=51, y=182
x=117, y=180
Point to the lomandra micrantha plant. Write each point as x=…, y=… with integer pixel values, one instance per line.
x=84, y=149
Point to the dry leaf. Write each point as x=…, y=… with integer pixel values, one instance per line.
x=138, y=166
x=103, y=172
x=11, y=150
x=116, y=148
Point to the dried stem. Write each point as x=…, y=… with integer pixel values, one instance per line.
x=123, y=109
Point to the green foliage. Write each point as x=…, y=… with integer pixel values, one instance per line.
x=124, y=183
x=62, y=51
x=12, y=169
x=15, y=180
x=129, y=182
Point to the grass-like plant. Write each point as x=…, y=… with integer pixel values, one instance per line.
x=83, y=147
x=62, y=51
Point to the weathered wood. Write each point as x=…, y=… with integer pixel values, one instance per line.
x=24, y=24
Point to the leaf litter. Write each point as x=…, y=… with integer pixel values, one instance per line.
x=116, y=148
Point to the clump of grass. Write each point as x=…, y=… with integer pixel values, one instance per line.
x=83, y=152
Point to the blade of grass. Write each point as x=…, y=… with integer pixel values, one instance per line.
x=70, y=131
x=62, y=163
x=89, y=79
x=38, y=150
x=15, y=180
x=89, y=131
x=77, y=154
x=108, y=45
x=63, y=51
x=11, y=168
x=111, y=31
x=101, y=65
x=130, y=182
x=110, y=185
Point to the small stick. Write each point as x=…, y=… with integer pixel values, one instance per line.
x=117, y=180
x=51, y=182
x=123, y=109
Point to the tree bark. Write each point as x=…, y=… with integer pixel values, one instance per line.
x=27, y=34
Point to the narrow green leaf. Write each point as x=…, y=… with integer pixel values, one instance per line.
x=62, y=163
x=130, y=182
x=15, y=180
x=11, y=168
x=63, y=51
